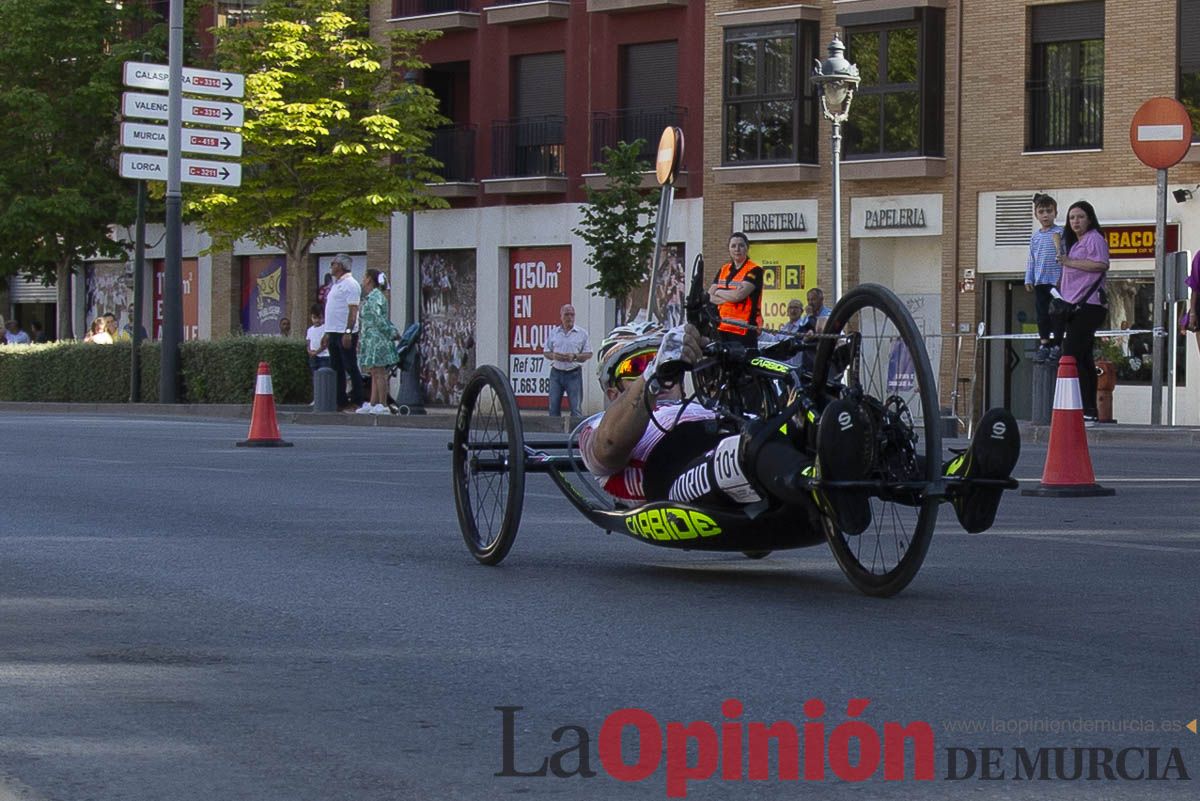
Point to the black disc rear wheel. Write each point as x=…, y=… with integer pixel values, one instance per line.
x=488, y=465
x=872, y=350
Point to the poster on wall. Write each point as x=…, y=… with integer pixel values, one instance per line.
x=191, y=298
x=789, y=271
x=539, y=283
x=109, y=289
x=671, y=292
x=358, y=268
x=448, y=323
x=264, y=294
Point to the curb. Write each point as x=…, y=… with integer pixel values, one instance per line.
x=1116, y=433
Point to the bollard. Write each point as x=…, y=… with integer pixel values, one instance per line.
x=325, y=390
x=1045, y=376
x=949, y=423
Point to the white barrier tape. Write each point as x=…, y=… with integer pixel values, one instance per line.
x=1067, y=397
x=263, y=386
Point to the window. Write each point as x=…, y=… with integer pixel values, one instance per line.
x=770, y=109
x=1065, y=91
x=533, y=142
x=1131, y=307
x=1189, y=61
x=898, y=108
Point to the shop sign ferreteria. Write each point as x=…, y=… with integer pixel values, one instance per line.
x=776, y=220
x=1137, y=241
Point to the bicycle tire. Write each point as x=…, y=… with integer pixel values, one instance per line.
x=902, y=530
x=488, y=427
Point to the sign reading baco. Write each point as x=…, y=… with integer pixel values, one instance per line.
x=906, y=215
x=1137, y=241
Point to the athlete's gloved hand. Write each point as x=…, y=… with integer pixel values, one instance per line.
x=678, y=352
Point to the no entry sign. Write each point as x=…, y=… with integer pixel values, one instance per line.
x=1161, y=132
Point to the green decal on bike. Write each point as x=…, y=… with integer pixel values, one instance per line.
x=770, y=364
x=671, y=524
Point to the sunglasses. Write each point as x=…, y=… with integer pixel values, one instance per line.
x=631, y=367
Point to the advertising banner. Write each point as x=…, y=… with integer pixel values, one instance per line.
x=358, y=269
x=789, y=271
x=671, y=292
x=109, y=289
x=448, y=323
x=191, y=298
x=539, y=283
x=264, y=294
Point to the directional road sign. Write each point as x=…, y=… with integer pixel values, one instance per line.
x=195, y=140
x=204, y=112
x=139, y=75
x=192, y=171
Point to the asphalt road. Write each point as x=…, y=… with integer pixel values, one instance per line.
x=181, y=619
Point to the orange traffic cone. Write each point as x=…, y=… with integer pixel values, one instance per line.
x=1068, y=470
x=264, y=431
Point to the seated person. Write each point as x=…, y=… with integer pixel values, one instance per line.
x=647, y=446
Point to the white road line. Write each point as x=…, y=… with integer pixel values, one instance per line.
x=1143, y=480
x=1080, y=541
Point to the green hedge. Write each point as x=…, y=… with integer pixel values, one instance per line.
x=223, y=371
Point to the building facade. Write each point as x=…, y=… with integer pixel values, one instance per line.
x=965, y=110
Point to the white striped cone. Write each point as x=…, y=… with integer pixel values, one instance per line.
x=264, y=429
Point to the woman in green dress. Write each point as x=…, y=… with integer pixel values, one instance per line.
x=377, y=340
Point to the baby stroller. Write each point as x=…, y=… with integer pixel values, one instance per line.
x=406, y=352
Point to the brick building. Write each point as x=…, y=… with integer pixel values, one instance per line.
x=964, y=111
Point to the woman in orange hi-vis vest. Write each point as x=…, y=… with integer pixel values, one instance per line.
x=737, y=292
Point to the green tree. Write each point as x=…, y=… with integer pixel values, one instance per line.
x=618, y=224
x=332, y=140
x=60, y=84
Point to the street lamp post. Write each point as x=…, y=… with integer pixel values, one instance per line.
x=837, y=78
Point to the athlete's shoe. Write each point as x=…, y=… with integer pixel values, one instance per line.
x=993, y=454
x=845, y=452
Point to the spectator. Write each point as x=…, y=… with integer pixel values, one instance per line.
x=318, y=353
x=37, y=333
x=377, y=347
x=15, y=335
x=110, y=324
x=567, y=349
x=737, y=291
x=1192, y=322
x=99, y=332
x=1083, y=276
x=796, y=325
x=341, y=324
x=816, y=313
x=1042, y=273
x=285, y=327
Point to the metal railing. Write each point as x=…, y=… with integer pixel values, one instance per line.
x=630, y=124
x=1065, y=115
x=454, y=146
x=530, y=147
x=419, y=8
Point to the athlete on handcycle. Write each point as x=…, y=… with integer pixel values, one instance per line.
x=650, y=446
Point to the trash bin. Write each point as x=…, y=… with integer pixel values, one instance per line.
x=1045, y=379
x=325, y=390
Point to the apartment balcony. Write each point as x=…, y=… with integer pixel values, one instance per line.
x=632, y=5
x=523, y=12
x=528, y=156
x=454, y=146
x=439, y=15
x=629, y=125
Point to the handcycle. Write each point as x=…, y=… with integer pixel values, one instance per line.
x=870, y=350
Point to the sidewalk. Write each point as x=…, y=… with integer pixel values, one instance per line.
x=443, y=418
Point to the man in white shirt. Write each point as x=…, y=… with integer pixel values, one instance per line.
x=567, y=349
x=341, y=331
x=16, y=336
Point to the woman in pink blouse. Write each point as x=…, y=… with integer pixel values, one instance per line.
x=1083, y=278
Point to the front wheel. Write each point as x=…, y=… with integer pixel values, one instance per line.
x=488, y=465
x=872, y=351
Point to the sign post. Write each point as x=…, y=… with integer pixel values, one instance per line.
x=1160, y=134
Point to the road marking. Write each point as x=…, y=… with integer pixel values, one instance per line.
x=99, y=461
x=13, y=790
x=1142, y=480
x=1080, y=541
